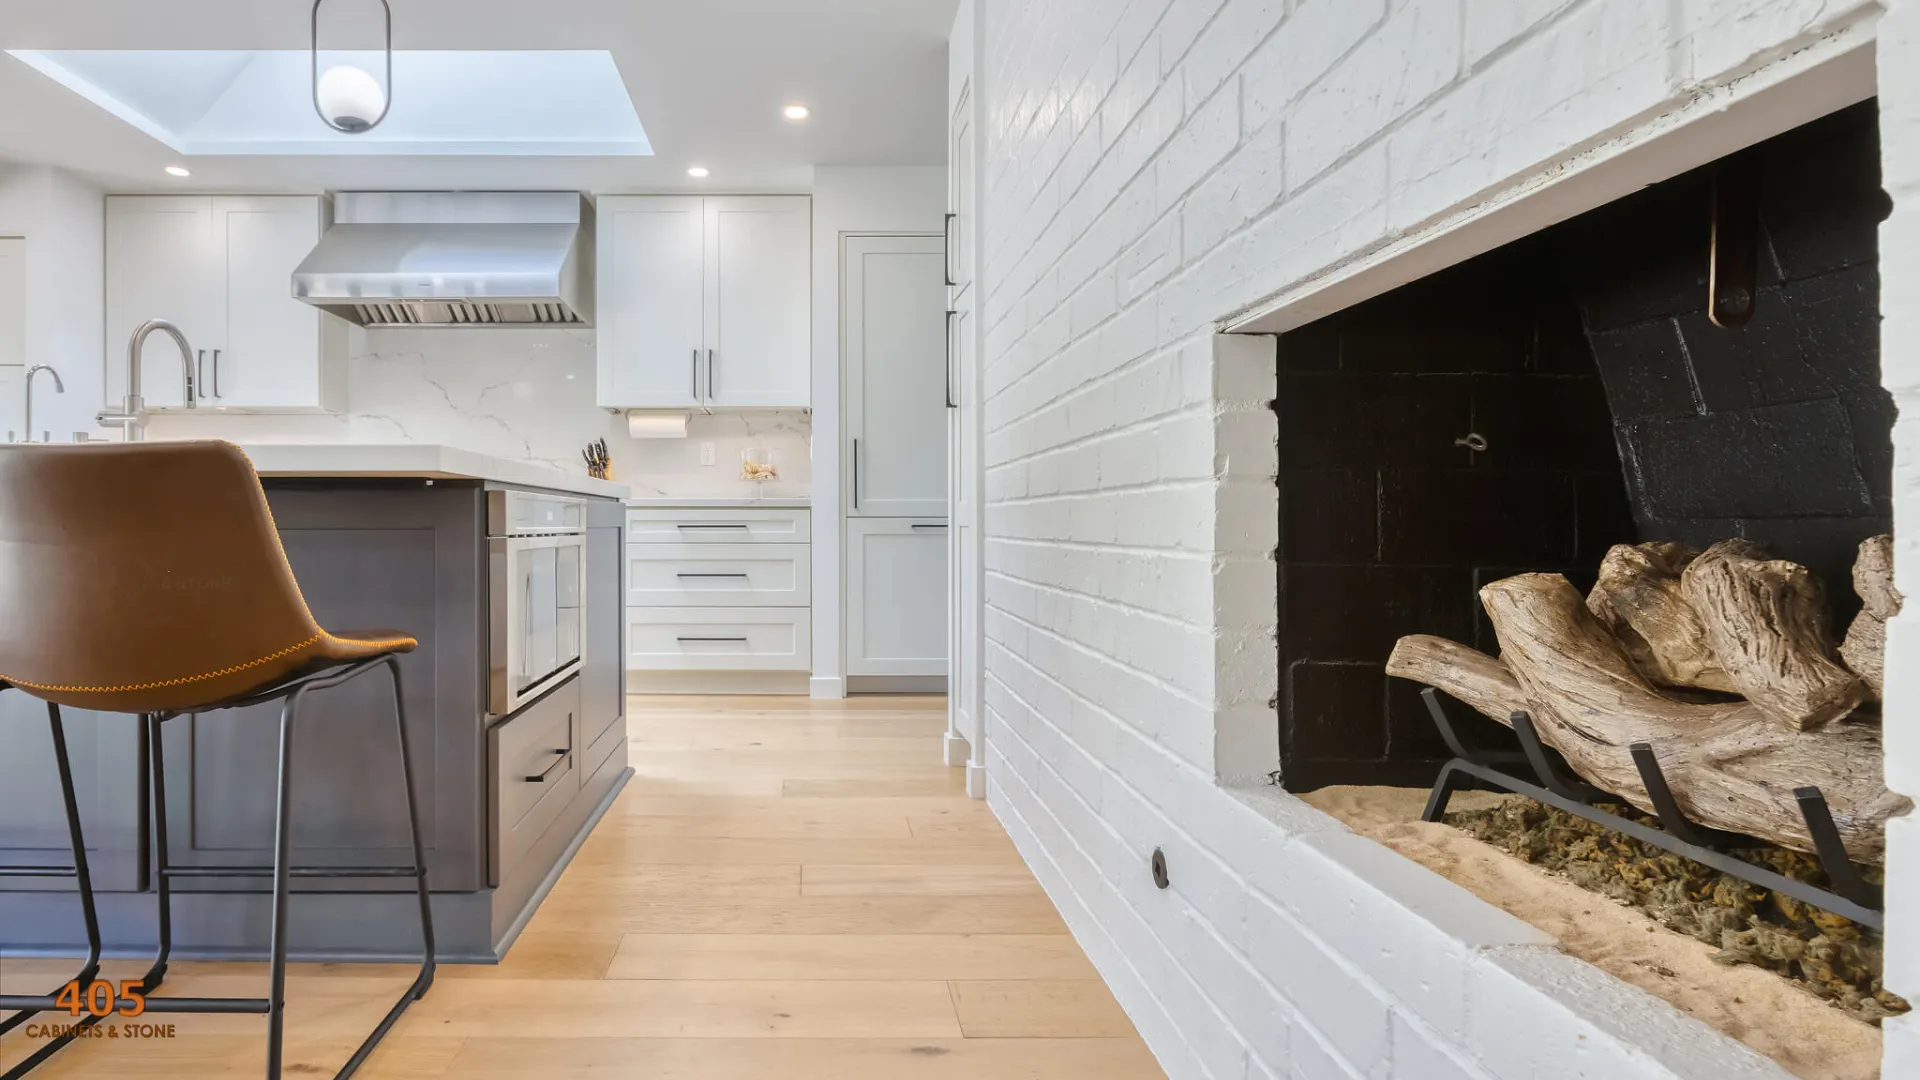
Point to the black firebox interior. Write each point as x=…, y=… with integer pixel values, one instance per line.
x=1528, y=409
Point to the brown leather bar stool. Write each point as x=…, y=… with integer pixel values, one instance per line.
x=157, y=586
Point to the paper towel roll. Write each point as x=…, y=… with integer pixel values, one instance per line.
x=656, y=425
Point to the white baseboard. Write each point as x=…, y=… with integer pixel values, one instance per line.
x=976, y=781
x=716, y=682
x=896, y=684
x=955, y=750
x=827, y=687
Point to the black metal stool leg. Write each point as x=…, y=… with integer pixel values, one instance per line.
x=282, y=866
x=163, y=864
x=89, y=913
x=424, y=980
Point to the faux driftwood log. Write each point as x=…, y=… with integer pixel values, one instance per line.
x=1731, y=766
x=1638, y=598
x=1766, y=622
x=1865, y=649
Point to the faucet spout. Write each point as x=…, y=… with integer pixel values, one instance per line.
x=59, y=387
x=133, y=414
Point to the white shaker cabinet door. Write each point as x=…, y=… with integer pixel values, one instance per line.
x=896, y=597
x=652, y=277
x=162, y=263
x=895, y=327
x=271, y=355
x=759, y=300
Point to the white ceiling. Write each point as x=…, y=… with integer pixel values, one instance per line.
x=707, y=78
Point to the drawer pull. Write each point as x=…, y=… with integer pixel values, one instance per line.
x=929, y=526
x=740, y=576
x=559, y=760
x=740, y=527
x=696, y=640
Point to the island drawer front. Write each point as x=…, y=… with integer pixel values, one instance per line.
x=719, y=639
x=535, y=773
x=724, y=525
x=719, y=575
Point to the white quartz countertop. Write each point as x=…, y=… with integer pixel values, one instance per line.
x=778, y=502
x=425, y=460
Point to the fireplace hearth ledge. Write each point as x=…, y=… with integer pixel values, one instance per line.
x=1479, y=978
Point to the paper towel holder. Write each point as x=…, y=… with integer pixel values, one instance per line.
x=655, y=424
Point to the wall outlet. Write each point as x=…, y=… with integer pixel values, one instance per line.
x=706, y=453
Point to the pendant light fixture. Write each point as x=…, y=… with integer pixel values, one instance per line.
x=347, y=99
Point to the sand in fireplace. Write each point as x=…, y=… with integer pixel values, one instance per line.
x=1808, y=1036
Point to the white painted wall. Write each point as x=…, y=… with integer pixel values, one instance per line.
x=63, y=220
x=847, y=199
x=1155, y=167
x=1900, y=371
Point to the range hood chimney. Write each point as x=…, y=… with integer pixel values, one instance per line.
x=468, y=258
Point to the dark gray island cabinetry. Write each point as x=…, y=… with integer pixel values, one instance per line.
x=506, y=795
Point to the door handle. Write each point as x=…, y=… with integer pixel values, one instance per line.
x=735, y=640
x=856, y=474
x=216, y=374
x=541, y=777
x=742, y=527
x=696, y=374
x=199, y=374
x=741, y=576
x=709, y=376
x=946, y=250
x=951, y=404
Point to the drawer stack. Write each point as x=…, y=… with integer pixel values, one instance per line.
x=719, y=589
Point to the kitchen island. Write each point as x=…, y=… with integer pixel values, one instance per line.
x=378, y=536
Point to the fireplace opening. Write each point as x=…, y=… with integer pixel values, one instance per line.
x=1530, y=408
x=1623, y=378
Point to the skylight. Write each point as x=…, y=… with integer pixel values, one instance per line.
x=501, y=103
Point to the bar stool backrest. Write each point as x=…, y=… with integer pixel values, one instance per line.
x=143, y=577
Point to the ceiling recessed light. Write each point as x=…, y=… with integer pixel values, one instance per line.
x=697, y=172
x=795, y=112
x=179, y=170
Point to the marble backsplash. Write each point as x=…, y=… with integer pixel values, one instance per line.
x=525, y=394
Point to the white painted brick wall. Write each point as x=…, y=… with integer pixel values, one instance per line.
x=1155, y=166
x=1899, y=69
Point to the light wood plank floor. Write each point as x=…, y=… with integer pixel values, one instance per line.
x=787, y=888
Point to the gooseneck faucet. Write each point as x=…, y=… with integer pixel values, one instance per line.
x=58, y=388
x=133, y=412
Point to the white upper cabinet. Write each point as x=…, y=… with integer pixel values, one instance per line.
x=960, y=194
x=705, y=301
x=221, y=269
x=650, y=325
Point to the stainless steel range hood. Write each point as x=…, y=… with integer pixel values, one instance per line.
x=469, y=258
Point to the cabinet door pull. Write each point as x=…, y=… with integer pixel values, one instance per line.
x=951, y=404
x=929, y=526
x=690, y=640
x=856, y=474
x=696, y=374
x=199, y=375
x=946, y=250
x=216, y=374
x=559, y=760
x=709, y=376
x=742, y=577
x=742, y=528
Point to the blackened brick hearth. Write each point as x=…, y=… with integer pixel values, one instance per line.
x=1612, y=411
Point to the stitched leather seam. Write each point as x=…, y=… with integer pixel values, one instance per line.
x=234, y=669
